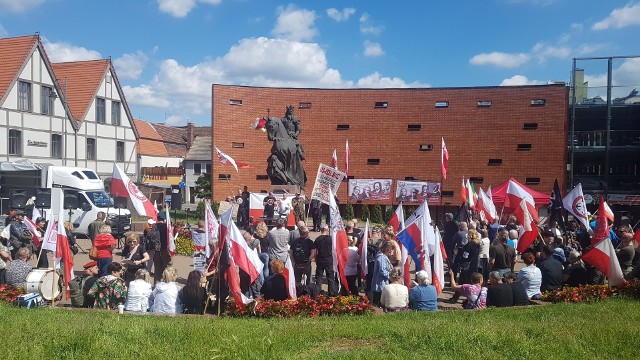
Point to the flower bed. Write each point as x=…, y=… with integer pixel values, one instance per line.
x=303, y=306
x=9, y=293
x=590, y=293
x=184, y=243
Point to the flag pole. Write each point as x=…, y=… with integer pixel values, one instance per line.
x=40, y=253
x=53, y=282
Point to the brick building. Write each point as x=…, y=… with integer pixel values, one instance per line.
x=492, y=133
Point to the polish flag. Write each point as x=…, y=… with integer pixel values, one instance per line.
x=50, y=238
x=364, y=265
x=444, y=157
x=171, y=241
x=608, y=212
x=245, y=258
x=226, y=159
x=260, y=124
x=464, y=195
x=346, y=159
x=339, y=242
x=397, y=222
x=227, y=266
x=211, y=226
x=486, y=206
x=575, y=204
x=515, y=195
x=489, y=194
x=437, y=277
x=290, y=278
x=35, y=234
x=63, y=254
x=529, y=231
x=334, y=160
x=122, y=186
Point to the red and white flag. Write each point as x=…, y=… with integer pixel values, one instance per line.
x=608, y=212
x=290, y=278
x=602, y=254
x=444, y=157
x=35, y=234
x=364, y=265
x=397, y=222
x=334, y=160
x=464, y=192
x=226, y=159
x=260, y=124
x=515, y=195
x=122, y=186
x=575, y=204
x=346, y=159
x=437, y=278
x=486, y=206
x=489, y=194
x=211, y=226
x=529, y=231
x=50, y=238
x=339, y=242
x=63, y=253
x=171, y=241
x=245, y=258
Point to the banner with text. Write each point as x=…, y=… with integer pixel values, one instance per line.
x=199, y=254
x=327, y=179
x=370, y=190
x=415, y=192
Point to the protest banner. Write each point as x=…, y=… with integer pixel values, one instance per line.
x=370, y=190
x=415, y=192
x=328, y=180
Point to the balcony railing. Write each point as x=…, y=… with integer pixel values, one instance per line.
x=597, y=139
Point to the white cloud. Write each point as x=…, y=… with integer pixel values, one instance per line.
x=16, y=6
x=375, y=80
x=3, y=31
x=519, y=80
x=130, y=66
x=544, y=51
x=500, y=59
x=619, y=18
x=64, y=52
x=340, y=16
x=372, y=49
x=624, y=78
x=295, y=24
x=176, y=8
x=144, y=95
x=367, y=26
x=175, y=120
x=211, y=2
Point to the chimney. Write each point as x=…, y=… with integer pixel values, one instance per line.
x=189, y=135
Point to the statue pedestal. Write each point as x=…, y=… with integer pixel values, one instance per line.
x=279, y=189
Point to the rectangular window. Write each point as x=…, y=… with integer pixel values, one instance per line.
x=446, y=193
x=120, y=151
x=262, y=177
x=442, y=104
x=100, y=112
x=373, y=161
x=304, y=105
x=530, y=126
x=197, y=168
x=56, y=146
x=484, y=103
x=342, y=127
x=47, y=98
x=495, y=162
x=532, y=181
x=91, y=148
x=523, y=147
x=538, y=102
x=207, y=168
x=235, y=102
x=414, y=127
x=410, y=178
x=224, y=176
x=15, y=142
x=476, y=180
x=381, y=105
x=115, y=113
x=237, y=145
x=426, y=147
x=24, y=96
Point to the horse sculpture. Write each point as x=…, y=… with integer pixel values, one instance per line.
x=284, y=165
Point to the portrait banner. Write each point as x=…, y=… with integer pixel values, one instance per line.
x=415, y=192
x=327, y=179
x=370, y=190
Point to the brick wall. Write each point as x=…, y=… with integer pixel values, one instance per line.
x=473, y=134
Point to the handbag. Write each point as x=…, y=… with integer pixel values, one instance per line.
x=93, y=253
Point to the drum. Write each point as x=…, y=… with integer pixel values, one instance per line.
x=45, y=282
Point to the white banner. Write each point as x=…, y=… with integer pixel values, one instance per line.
x=328, y=180
x=415, y=192
x=370, y=190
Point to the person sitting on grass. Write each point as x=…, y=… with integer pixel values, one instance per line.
x=275, y=286
x=165, y=298
x=530, y=276
x=518, y=291
x=475, y=293
x=139, y=292
x=424, y=296
x=193, y=294
x=109, y=291
x=499, y=294
x=395, y=296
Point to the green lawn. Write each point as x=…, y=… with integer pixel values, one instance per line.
x=565, y=331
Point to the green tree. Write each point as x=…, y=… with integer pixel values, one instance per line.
x=376, y=215
x=203, y=186
x=366, y=214
x=388, y=215
x=349, y=211
x=200, y=210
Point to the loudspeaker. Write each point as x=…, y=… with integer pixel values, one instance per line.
x=176, y=201
x=120, y=202
x=19, y=198
x=43, y=198
x=70, y=199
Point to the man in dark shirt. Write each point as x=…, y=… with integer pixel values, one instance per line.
x=316, y=214
x=324, y=260
x=502, y=257
x=519, y=293
x=161, y=258
x=551, y=270
x=269, y=204
x=450, y=229
x=498, y=293
x=301, y=251
x=91, y=272
x=493, y=230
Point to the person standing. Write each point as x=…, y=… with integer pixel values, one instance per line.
x=502, y=257
x=105, y=243
x=161, y=258
x=301, y=252
x=450, y=229
x=316, y=214
x=299, y=210
x=381, y=271
x=269, y=203
x=278, y=242
x=324, y=260
x=94, y=228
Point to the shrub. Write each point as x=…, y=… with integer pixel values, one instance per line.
x=376, y=215
x=366, y=214
x=304, y=306
x=200, y=210
x=388, y=215
x=349, y=212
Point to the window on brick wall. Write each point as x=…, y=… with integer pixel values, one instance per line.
x=538, y=102
x=446, y=193
x=495, y=162
x=224, y=176
x=237, y=145
x=235, y=102
x=442, y=104
x=373, y=161
x=381, y=105
x=476, y=180
x=262, y=177
x=342, y=127
x=304, y=105
x=484, y=103
x=410, y=178
x=426, y=147
x=523, y=147
x=532, y=181
x=414, y=127
x=530, y=126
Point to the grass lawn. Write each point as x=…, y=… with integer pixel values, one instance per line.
x=564, y=331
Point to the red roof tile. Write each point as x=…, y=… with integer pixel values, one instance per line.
x=79, y=81
x=13, y=53
x=152, y=148
x=146, y=130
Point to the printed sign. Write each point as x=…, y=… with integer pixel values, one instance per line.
x=327, y=179
x=370, y=190
x=415, y=192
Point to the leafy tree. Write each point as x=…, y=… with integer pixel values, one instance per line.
x=349, y=211
x=376, y=215
x=200, y=210
x=388, y=214
x=203, y=186
x=366, y=214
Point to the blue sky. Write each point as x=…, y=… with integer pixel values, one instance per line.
x=167, y=53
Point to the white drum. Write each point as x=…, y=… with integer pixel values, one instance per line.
x=45, y=282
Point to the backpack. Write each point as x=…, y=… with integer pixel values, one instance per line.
x=76, y=285
x=372, y=252
x=153, y=239
x=299, y=254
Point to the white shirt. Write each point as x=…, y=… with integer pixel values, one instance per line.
x=351, y=267
x=485, y=243
x=165, y=299
x=138, y=296
x=395, y=296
